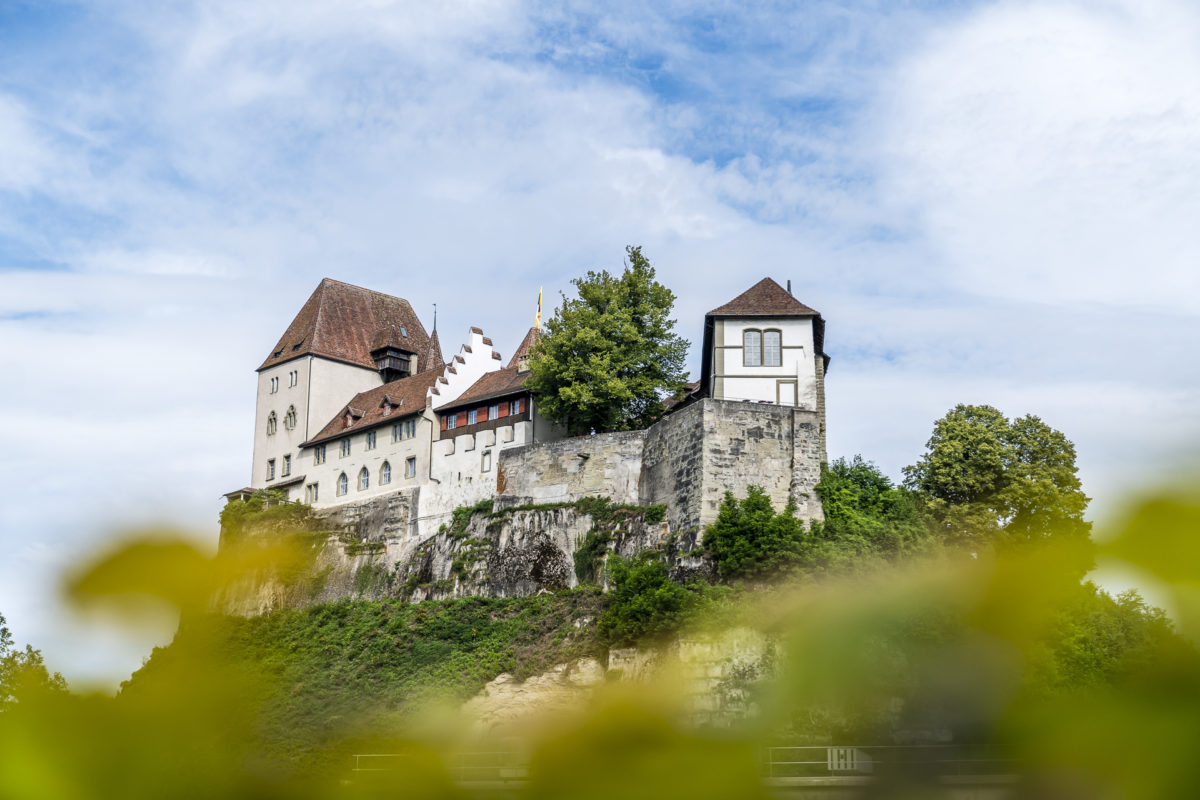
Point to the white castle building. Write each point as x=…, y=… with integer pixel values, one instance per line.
x=355, y=400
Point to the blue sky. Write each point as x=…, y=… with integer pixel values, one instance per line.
x=989, y=202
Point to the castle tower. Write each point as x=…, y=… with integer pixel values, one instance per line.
x=765, y=346
x=345, y=339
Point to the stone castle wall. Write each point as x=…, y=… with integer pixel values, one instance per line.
x=603, y=465
x=686, y=462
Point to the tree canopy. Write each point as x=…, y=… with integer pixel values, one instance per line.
x=984, y=477
x=610, y=354
x=861, y=502
x=23, y=670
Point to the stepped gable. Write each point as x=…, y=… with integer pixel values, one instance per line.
x=405, y=396
x=766, y=298
x=525, y=346
x=343, y=322
x=491, y=385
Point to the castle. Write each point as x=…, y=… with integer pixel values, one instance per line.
x=358, y=408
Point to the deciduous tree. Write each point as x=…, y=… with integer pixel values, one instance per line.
x=610, y=354
x=23, y=670
x=984, y=477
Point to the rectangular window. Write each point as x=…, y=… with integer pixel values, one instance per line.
x=486, y=461
x=310, y=493
x=494, y=411
x=410, y=428
x=370, y=440
x=270, y=469
x=752, y=348
x=472, y=416
x=287, y=466
x=772, y=349
x=345, y=447
x=451, y=422
x=786, y=393
x=410, y=467
x=514, y=407
x=319, y=454
x=396, y=432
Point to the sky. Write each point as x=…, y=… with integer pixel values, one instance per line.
x=989, y=202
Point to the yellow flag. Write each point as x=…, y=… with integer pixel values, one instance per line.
x=539, y=314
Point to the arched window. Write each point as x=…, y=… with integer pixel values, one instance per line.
x=289, y=420
x=364, y=479
x=385, y=473
x=343, y=484
x=271, y=424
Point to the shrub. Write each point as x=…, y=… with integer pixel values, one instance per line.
x=644, y=604
x=749, y=540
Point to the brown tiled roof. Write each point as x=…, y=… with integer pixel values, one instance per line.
x=765, y=298
x=492, y=384
x=690, y=389
x=406, y=394
x=341, y=322
x=526, y=345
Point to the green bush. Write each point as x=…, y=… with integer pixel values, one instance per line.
x=749, y=540
x=645, y=605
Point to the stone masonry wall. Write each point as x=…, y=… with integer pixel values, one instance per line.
x=672, y=466
x=694, y=456
x=604, y=465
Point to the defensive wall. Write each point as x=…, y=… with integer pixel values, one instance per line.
x=686, y=461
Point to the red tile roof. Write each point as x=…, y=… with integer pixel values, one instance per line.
x=765, y=298
x=525, y=346
x=491, y=385
x=342, y=322
x=405, y=397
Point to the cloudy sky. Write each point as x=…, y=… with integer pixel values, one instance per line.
x=990, y=202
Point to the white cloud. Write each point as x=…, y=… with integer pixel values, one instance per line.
x=1052, y=151
x=460, y=154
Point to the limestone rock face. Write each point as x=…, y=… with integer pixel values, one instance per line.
x=505, y=702
x=518, y=553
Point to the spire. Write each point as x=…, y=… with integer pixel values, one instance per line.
x=433, y=356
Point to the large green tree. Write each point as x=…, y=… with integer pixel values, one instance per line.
x=984, y=477
x=610, y=354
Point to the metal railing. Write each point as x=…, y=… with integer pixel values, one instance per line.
x=778, y=762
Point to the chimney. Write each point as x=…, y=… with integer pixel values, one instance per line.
x=789, y=287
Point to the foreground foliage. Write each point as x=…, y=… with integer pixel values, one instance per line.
x=1091, y=695
x=339, y=671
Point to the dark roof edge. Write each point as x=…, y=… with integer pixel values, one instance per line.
x=359, y=429
x=318, y=355
x=482, y=399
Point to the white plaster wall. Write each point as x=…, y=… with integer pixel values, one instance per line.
x=322, y=388
x=333, y=383
x=473, y=361
x=395, y=453
x=735, y=381
x=457, y=477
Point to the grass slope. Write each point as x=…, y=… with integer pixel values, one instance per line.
x=335, y=673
